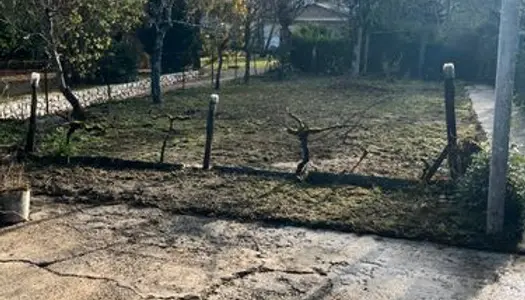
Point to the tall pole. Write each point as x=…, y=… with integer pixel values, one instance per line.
x=507, y=56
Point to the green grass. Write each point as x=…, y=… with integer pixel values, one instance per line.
x=406, y=126
x=229, y=62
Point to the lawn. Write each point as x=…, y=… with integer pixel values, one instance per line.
x=399, y=124
x=229, y=62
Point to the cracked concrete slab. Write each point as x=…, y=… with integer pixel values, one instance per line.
x=117, y=252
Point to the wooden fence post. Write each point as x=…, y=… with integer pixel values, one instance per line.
x=450, y=92
x=209, y=130
x=30, y=143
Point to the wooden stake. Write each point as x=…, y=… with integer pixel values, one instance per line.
x=450, y=91
x=209, y=130
x=431, y=170
x=30, y=143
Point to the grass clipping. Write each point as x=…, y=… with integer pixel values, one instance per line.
x=12, y=178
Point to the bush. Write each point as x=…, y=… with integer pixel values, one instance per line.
x=317, y=50
x=472, y=194
x=121, y=63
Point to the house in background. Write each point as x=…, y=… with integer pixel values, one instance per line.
x=322, y=13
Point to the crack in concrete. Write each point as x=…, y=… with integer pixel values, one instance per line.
x=292, y=285
x=256, y=270
x=45, y=266
x=320, y=291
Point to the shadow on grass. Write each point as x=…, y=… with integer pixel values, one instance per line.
x=105, y=163
x=314, y=178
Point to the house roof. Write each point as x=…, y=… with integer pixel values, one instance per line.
x=322, y=11
x=332, y=7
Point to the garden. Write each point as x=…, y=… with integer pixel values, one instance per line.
x=364, y=174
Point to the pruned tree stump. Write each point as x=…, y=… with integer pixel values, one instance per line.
x=303, y=132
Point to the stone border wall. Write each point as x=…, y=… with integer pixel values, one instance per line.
x=21, y=107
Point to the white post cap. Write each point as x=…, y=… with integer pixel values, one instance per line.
x=214, y=98
x=35, y=79
x=449, y=70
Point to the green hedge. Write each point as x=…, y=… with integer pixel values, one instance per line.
x=121, y=63
x=317, y=50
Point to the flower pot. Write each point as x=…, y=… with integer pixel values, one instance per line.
x=14, y=206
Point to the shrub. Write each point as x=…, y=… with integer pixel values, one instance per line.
x=120, y=64
x=472, y=194
x=316, y=49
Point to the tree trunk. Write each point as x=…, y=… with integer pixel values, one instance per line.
x=285, y=48
x=247, y=50
x=78, y=111
x=366, y=52
x=219, y=69
x=156, y=66
x=285, y=38
x=268, y=41
x=197, y=43
x=422, y=54
x=357, y=52
x=212, y=66
x=247, y=68
x=260, y=36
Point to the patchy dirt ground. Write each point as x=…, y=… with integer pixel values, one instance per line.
x=115, y=252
